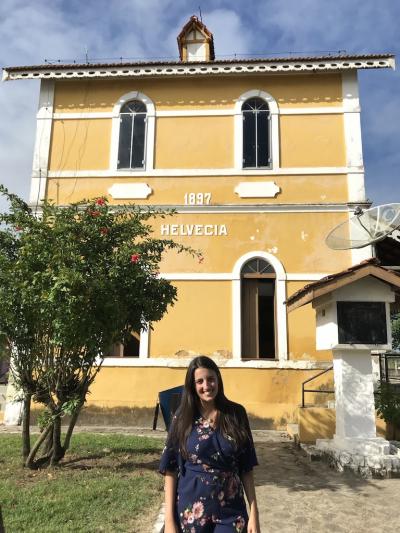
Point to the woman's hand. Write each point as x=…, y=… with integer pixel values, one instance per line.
x=253, y=525
x=170, y=495
x=170, y=527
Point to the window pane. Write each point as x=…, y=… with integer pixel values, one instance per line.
x=257, y=266
x=131, y=346
x=249, y=139
x=262, y=139
x=362, y=322
x=266, y=318
x=254, y=104
x=139, y=127
x=134, y=106
x=124, y=150
x=250, y=266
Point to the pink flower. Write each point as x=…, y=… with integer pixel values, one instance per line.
x=190, y=518
x=198, y=510
x=95, y=213
x=100, y=201
x=104, y=231
x=239, y=524
x=135, y=258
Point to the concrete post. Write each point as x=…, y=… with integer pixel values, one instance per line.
x=355, y=404
x=354, y=394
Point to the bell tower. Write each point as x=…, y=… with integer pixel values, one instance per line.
x=196, y=42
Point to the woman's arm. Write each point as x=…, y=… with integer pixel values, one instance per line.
x=249, y=488
x=170, y=497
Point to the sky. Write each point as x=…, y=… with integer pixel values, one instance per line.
x=37, y=30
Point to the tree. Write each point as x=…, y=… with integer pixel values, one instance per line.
x=387, y=402
x=4, y=358
x=73, y=281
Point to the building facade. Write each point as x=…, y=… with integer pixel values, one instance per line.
x=260, y=158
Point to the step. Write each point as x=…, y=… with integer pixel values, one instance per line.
x=293, y=431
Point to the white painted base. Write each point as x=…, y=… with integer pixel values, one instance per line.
x=13, y=413
x=356, y=446
x=366, y=466
x=13, y=407
x=365, y=457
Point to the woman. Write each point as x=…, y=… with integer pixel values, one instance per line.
x=208, y=459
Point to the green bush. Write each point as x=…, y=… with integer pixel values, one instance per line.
x=396, y=331
x=387, y=403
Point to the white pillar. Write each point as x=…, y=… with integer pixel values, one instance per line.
x=355, y=405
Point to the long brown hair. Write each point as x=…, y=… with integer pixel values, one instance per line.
x=232, y=420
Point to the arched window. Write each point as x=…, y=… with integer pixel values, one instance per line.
x=258, y=309
x=132, y=135
x=256, y=134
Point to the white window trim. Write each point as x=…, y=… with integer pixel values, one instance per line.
x=238, y=140
x=144, y=342
x=150, y=129
x=280, y=295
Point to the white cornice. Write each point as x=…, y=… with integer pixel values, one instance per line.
x=251, y=208
x=268, y=208
x=177, y=362
x=202, y=69
x=230, y=276
x=306, y=110
x=202, y=172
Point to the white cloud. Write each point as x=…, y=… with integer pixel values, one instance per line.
x=231, y=36
x=355, y=25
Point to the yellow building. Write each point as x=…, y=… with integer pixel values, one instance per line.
x=261, y=159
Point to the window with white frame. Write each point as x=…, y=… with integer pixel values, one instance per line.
x=258, y=309
x=256, y=133
x=132, y=135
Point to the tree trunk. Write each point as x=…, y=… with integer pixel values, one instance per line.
x=48, y=444
x=30, y=461
x=58, y=452
x=26, y=419
x=71, y=426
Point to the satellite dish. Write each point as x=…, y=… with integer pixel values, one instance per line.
x=365, y=227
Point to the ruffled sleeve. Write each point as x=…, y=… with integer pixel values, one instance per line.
x=169, y=459
x=247, y=458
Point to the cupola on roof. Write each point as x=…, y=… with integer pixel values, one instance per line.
x=196, y=42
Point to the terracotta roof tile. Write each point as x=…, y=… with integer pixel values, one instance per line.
x=311, y=287
x=62, y=66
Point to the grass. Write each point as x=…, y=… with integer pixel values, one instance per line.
x=105, y=483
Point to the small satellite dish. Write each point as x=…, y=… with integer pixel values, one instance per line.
x=365, y=227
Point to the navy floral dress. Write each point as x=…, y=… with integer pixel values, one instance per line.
x=210, y=495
